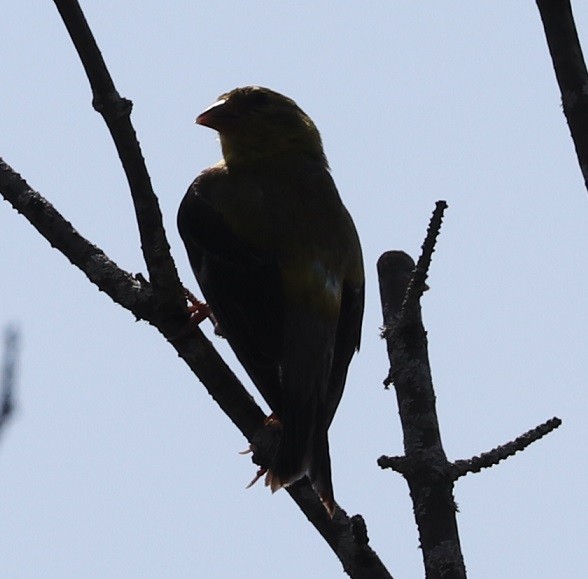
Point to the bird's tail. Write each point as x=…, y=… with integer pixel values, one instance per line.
x=292, y=459
x=305, y=368
x=302, y=454
x=320, y=472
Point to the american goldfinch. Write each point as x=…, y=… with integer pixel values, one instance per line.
x=278, y=259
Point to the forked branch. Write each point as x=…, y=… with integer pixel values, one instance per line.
x=161, y=300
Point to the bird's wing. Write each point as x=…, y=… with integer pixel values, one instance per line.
x=346, y=343
x=241, y=285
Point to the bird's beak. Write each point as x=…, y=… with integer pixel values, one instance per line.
x=215, y=116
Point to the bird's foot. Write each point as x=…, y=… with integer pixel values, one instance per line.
x=199, y=311
x=260, y=472
x=263, y=448
x=272, y=421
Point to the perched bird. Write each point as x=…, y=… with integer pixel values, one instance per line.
x=279, y=262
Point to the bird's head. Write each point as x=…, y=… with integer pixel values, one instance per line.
x=258, y=126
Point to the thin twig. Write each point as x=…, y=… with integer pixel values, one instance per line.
x=116, y=112
x=418, y=283
x=398, y=464
x=493, y=457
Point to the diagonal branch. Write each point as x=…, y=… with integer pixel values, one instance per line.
x=459, y=468
x=161, y=301
x=417, y=284
x=570, y=71
x=116, y=112
x=504, y=451
x=131, y=293
x=136, y=295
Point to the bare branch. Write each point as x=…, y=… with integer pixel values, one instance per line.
x=343, y=534
x=488, y=459
x=135, y=294
x=459, y=468
x=570, y=71
x=161, y=302
x=424, y=466
x=130, y=292
x=8, y=380
x=418, y=283
x=398, y=464
x=116, y=113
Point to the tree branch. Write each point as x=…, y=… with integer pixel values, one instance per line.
x=346, y=536
x=161, y=301
x=132, y=293
x=424, y=466
x=116, y=112
x=136, y=295
x=8, y=379
x=488, y=459
x=459, y=468
x=430, y=476
x=417, y=284
x=570, y=71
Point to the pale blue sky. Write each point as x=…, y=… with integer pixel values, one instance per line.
x=118, y=464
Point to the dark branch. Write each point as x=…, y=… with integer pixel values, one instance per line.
x=418, y=284
x=459, y=468
x=396, y=270
x=570, y=71
x=135, y=295
x=359, y=560
x=161, y=302
x=130, y=292
x=342, y=534
x=116, y=113
x=488, y=459
x=424, y=466
x=8, y=380
x=398, y=464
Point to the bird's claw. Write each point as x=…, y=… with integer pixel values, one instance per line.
x=199, y=310
x=260, y=472
x=272, y=421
